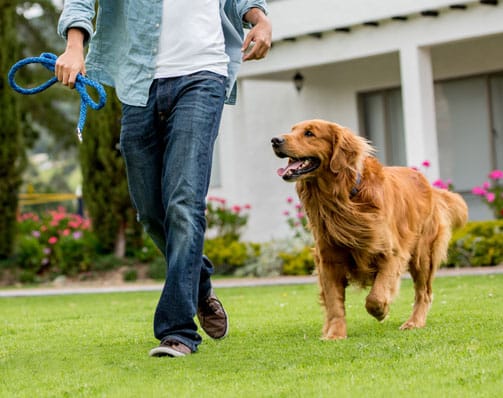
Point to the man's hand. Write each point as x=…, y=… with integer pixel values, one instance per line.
x=71, y=62
x=258, y=40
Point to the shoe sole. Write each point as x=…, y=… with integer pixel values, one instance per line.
x=165, y=351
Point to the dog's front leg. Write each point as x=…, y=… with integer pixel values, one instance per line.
x=333, y=282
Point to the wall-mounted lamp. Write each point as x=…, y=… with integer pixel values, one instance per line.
x=298, y=81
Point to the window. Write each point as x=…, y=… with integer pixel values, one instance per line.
x=383, y=125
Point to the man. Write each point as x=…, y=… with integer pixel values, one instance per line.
x=173, y=64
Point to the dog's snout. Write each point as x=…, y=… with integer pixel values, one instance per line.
x=277, y=141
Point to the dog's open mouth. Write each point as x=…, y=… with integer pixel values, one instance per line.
x=298, y=167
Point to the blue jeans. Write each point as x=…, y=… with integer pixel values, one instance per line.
x=167, y=147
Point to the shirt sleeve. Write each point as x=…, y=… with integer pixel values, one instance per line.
x=77, y=14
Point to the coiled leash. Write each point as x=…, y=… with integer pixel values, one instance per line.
x=49, y=61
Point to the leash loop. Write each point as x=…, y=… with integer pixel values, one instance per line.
x=48, y=60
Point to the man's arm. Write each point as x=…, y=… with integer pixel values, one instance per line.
x=258, y=40
x=71, y=62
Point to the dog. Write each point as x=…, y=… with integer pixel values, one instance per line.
x=370, y=223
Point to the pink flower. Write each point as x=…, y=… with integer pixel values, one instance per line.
x=440, y=184
x=66, y=232
x=426, y=163
x=247, y=206
x=289, y=199
x=77, y=235
x=286, y=213
x=490, y=196
x=486, y=185
x=53, y=240
x=479, y=191
x=300, y=215
x=35, y=234
x=236, y=209
x=496, y=175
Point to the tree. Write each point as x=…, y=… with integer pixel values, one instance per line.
x=12, y=155
x=105, y=191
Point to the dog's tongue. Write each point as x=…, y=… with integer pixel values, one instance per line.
x=291, y=166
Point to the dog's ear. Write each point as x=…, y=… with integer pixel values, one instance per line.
x=349, y=149
x=346, y=149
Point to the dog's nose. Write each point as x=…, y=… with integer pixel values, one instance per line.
x=277, y=141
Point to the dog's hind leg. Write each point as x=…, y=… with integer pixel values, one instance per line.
x=422, y=269
x=423, y=298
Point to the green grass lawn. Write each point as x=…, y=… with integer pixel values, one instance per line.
x=97, y=346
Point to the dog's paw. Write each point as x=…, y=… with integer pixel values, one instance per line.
x=377, y=309
x=335, y=331
x=333, y=337
x=410, y=324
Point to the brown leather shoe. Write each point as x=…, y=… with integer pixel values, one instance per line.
x=212, y=317
x=171, y=348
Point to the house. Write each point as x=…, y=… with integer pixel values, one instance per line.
x=423, y=80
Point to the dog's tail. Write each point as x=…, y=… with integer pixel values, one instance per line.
x=456, y=207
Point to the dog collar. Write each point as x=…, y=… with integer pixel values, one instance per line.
x=354, y=191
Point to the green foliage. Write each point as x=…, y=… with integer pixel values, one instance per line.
x=298, y=262
x=56, y=242
x=228, y=255
x=147, y=252
x=479, y=243
x=130, y=275
x=30, y=253
x=12, y=155
x=157, y=269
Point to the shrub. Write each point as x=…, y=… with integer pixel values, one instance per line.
x=228, y=255
x=130, y=275
x=157, y=269
x=298, y=222
x=148, y=251
x=491, y=193
x=223, y=220
x=298, y=263
x=55, y=242
x=479, y=243
x=29, y=253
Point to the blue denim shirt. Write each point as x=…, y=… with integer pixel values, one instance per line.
x=122, y=50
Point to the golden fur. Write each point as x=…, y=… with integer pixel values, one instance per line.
x=370, y=223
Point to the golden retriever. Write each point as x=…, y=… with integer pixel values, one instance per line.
x=370, y=223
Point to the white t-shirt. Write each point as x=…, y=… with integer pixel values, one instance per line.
x=191, y=39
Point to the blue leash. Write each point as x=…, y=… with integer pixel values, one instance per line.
x=49, y=61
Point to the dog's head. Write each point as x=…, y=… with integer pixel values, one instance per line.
x=318, y=146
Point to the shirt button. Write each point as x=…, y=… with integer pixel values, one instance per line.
x=157, y=25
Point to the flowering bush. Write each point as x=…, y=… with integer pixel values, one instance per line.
x=438, y=183
x=57, y=242
x=223, y=220
x=491, y=192
x=296, y=218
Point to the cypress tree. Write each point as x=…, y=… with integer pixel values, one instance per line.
x=105, y=191
x=12, y=154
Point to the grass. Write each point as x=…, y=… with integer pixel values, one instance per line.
x=97, y=345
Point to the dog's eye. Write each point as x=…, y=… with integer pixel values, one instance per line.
x=308, y=133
